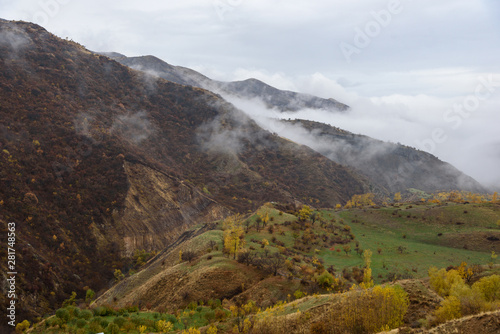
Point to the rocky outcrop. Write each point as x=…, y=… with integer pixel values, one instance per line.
x=159, y=208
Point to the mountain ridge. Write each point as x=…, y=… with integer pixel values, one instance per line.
x=283, y=100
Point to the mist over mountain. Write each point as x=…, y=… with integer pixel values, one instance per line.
x=393, y=167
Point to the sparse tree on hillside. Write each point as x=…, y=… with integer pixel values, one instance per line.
x=233, y=235
x=347, y=249
x=188, y=256
x=367, y=275
x=89, y=296
x=397, y=197
x=305, y=213
x=275, y=262
x=258, y=221
x=118, y=275
x=265, y=220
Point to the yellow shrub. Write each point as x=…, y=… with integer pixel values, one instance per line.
x=489, y=287
x=442, y=281
x=450, y=309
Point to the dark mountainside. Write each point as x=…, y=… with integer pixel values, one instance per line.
x=98, y=160
x=249, y=89
x=390, y=166
x=393, y=168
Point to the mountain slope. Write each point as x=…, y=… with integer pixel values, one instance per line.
x=282, y=100
x=98, y=160
x=393, y=167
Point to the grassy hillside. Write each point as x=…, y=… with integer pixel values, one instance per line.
x=209, y=287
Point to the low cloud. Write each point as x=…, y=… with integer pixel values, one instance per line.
x=471, y=145
x=15, y=40
x=134, y=127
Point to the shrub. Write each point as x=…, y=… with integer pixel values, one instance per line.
x=489, y=287
x=73, y=311
x=80, y=323
x=22, y=326
x=95, y=325
x=164, y=326
x=318, y=328
x=85, y=314
x=325, y=280
x=112, y=328
x=449, y=309
x=120, y=321
x=104, y=323
x=210, y=315
x=63, y=314
x=442, y=281
x=220, y=315
x=170, y=317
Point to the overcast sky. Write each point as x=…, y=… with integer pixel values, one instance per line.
x=424, y=73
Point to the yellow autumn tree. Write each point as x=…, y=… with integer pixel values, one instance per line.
x=442, y=281
x=164, y=326
x=397, y=197
x=305, y=213
x=233, y=235
x=371, y=310
x=367, y=275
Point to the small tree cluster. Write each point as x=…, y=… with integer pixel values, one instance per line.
x=462, y=299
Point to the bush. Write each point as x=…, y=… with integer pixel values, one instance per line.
x=104, y=311
x=80, y=323
x=220, y=315
x=95, y=325
x=442, y=281
x=112, y=328
x=449, y=309
x=22, y=326
x=120, y=321
x=63, y=314
x=104, y=323
x=85, y=314
x=325, y=280
x=73, y=311
x=489, y=287
x=210, y=315
x=318, y=328
x=164, y=326
x=170, y=317
x=192, y=306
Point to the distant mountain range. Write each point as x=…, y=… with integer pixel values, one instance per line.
x=282, y=100
x=392, y=167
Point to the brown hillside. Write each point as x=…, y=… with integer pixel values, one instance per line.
x=90, y=150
